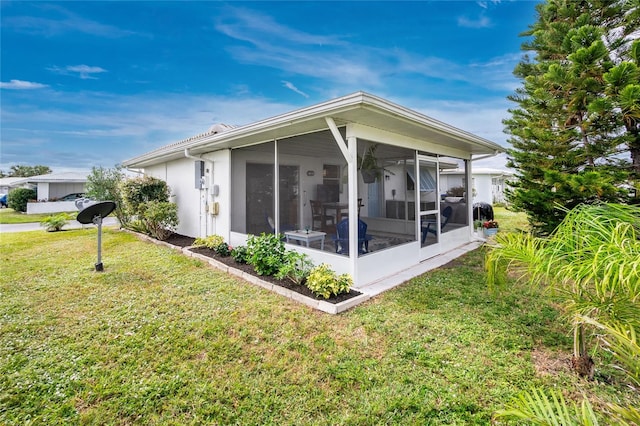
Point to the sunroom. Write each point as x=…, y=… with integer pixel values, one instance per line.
x=307, y=173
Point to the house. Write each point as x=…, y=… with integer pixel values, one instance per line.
x=51, y=187
x=488, y=184
x=7, y=184
x=263, y=177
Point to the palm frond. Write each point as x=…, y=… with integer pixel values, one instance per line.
x=539, y=408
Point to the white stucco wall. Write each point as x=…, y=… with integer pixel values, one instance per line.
x=51, y=207
x=482, y=186
x=195, y=206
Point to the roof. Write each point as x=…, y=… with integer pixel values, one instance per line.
x=10, y=181
x=359, y=107
x=69, y=177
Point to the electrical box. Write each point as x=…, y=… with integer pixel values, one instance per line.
x=215, y=190
x=199, y=174
x=214, y=209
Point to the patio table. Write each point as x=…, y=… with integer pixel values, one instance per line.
x=306, y=237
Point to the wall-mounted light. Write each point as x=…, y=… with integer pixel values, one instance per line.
x=310, y=173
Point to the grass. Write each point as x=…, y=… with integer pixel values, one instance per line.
x=10, y=216
x=159, y=338
x=510, y=220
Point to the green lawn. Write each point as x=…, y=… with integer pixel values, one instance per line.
x=10, y=216
x=159, y=338
x=509, y=220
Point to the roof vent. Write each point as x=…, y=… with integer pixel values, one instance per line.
x=219, y=128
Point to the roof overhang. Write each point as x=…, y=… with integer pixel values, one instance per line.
x=360, y=108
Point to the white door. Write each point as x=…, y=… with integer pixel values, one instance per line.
x=428, y=205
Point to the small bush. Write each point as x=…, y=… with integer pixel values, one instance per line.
x=136, y=192
x=240, y=254
x=223, y=249
x=266, y=253
x=324, y=282
x=210, y=242
x=55, y=222
x=160, y=218
x=296, y=267
x=18, y=198
x=137, y=226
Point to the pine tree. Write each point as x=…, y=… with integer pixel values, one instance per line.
x=577, y=109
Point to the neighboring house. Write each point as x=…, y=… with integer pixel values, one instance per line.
x=52, y=186
x=263, y=176
x=7, y=184
x=488, y=184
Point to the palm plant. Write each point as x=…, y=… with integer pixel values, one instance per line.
x=536, y=407
x=591, y=262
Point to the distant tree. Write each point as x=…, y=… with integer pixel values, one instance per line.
x=105, y=184
x=27, y=171
x=578, y=110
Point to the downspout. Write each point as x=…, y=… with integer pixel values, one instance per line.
x=193, y=157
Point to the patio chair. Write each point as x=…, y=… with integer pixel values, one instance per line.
x=341, y=239
x=318, y=216
x=429, y=226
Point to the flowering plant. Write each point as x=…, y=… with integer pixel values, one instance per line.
x=490, y=224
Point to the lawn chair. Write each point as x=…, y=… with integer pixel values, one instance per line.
x=341, y=239
x=429, y=226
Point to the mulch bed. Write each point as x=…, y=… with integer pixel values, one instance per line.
x=184, y=241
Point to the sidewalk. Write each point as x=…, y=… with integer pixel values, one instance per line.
x=35, y=226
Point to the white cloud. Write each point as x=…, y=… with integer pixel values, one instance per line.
x=85, y=72
x=65, y=22
x=264, y=42
x=21, y=85
x=290, y=86
x=480, y=22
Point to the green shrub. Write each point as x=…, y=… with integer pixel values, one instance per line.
x=160, y=218
x=136, y=192
x=222, y=249
x=106, y=184
x=210, y=242
x=55, y=222
x=324, y=282
x=18, y=198
x=296, y=267
x=266, y=253
x=137, y=226
x=240, y=254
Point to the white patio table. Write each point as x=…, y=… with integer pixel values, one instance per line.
x=306, y=236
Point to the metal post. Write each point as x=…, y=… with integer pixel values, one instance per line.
x=98, y=221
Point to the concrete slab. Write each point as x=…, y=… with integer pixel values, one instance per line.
x=387, y=283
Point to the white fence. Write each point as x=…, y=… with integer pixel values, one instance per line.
x=51, y=207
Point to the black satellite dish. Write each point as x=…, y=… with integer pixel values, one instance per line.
x=94, y=214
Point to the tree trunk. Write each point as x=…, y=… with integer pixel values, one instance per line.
x=581, y=362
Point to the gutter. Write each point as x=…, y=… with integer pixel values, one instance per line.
x=496, y=152
x=193, y=157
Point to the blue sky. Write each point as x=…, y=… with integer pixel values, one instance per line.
x=88, y=84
